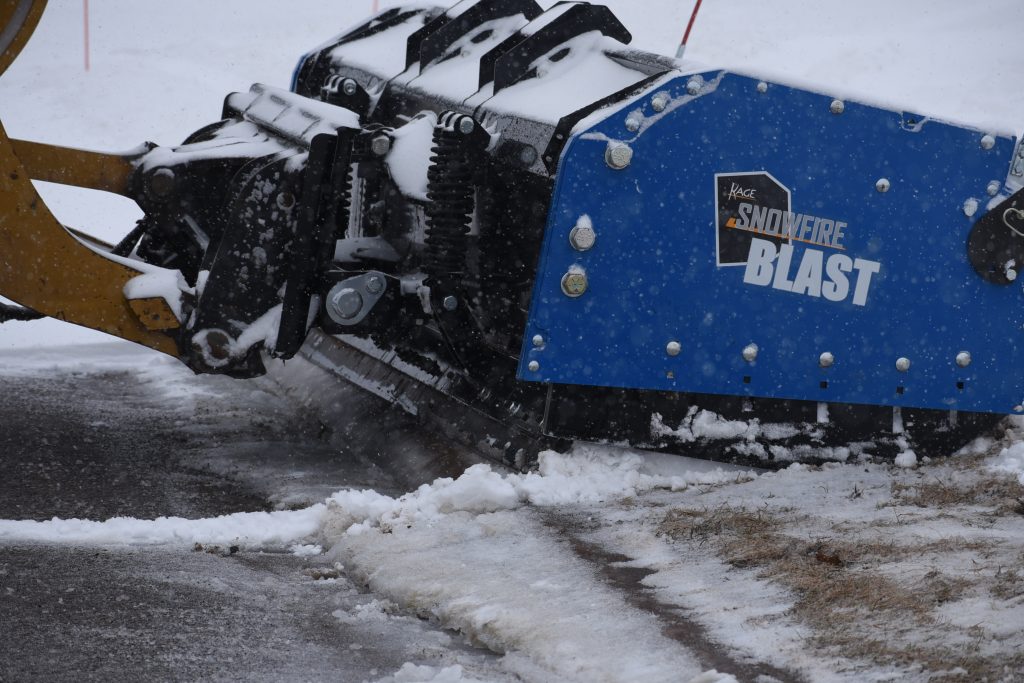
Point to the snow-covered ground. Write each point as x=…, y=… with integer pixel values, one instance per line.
x=604, y=565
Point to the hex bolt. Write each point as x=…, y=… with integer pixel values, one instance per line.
x=750, y=353
x=574, y=285
x=693, y=87
x=344, y=303
x=349, y=87
x=528, y=155
x=450, y=303
x=762, y=87
x=380, y=145
x=883, y=185
x=534, y=366
x=903, y=364
x=1010, y=271
x=826, y=360
x=467, y=125
x=970, y=207
x=538, y=341
x=673, y=348
x=583, y=237
x=988, y=142
x=633, y=123
x=963, y=359
x=375, y=284
x=837, y=107
x=618, y=155
x=660, y=101
x=994, y=187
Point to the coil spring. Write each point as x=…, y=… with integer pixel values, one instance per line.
x=451, y=193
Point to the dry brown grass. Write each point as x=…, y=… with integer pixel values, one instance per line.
x=1004, y=494
x=854, y=612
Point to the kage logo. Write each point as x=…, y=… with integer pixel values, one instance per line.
x=758, y=229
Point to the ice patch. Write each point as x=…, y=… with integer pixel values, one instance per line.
x=411, y=673
x=714, y=677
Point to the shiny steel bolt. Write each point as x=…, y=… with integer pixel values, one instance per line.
x=583, y=237
x=826, y=360
x=534, y=366
x=450, y=303
x=660, y=101
x=762, y=87
x=750, y=353
x=673, y=348
x=837, y=107
x=963, y=359
x=349, y=87
x=883, y=185
x=988, y=142
x=344, y=303
x=618, y=155
x=375, y=284
x=467, y=126
x=380, y=145
x=694, y=86
x=903, y=364
x=538, y=341
x=574, y=285
x=994, y=187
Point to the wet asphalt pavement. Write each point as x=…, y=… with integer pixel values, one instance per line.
x=101, y=443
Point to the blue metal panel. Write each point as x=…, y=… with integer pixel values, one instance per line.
x=653, y=275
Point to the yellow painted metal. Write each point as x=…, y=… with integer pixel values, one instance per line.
x=155, y=314
x=67, y=166
x=18, y=19
x=43, y=267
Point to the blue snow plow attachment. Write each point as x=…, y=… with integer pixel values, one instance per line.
x=511, y=224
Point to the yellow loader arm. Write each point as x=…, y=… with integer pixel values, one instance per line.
x=43, y=266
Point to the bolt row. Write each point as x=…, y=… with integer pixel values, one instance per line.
x=825, y=360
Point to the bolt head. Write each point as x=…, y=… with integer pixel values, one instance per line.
x=750, y=353
x=618, y=155
x=467, y=125
x=903, y=364
x=349, y=87
x=659, y=102
x=538, y=341
x=673, y=348
x=583, y=237
x=375, y=284
x=633, y=123
x=380, y=145
x=345, y=303
x=762, y=87
x=528, y=155
x=963, y=359
x=994, y=187
x=693, y=87
x=285, y=200
x=161, y=183
x=1011, y=274
x=988, y=142
x=970, y=207
x=826, y=360
x=450, y=303
x=883, y=185
x=574, y=285
x=837, y=107
x=534, y=366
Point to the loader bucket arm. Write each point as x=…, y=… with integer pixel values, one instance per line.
x=45, y=268
x=18, y=19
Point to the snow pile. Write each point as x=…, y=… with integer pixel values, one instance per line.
x=588, y=475
x=411, y=673
x=1010, y=461
x=267, y=530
